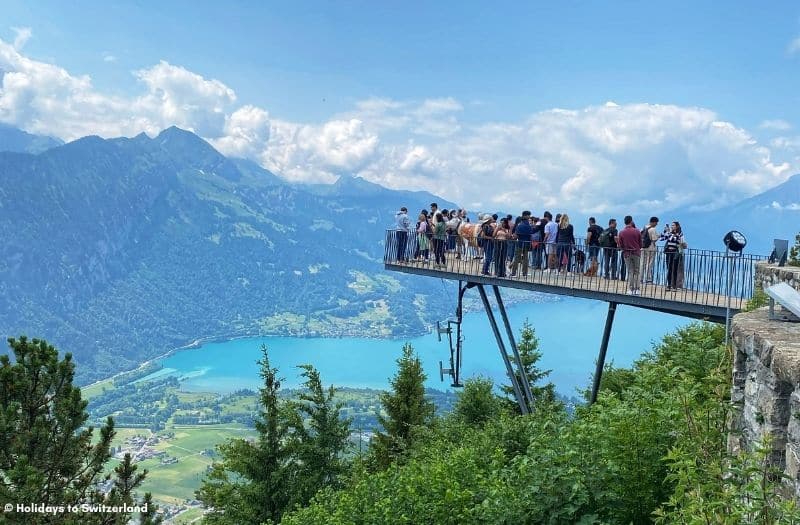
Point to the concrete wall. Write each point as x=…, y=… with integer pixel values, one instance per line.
x=766, y=379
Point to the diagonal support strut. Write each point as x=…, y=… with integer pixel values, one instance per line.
x=526, y=385
x=523, y=406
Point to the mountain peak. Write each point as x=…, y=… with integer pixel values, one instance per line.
x=175, y=131
x=186, y=147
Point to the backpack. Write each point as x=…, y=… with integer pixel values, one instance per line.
x=646, y=240
x=606, y=241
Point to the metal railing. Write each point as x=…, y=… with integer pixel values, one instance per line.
x=692, y=276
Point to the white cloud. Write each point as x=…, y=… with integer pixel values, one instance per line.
x=311, y=153
x=178, y=96
x=108, y=57
x=245, y=134
x=633, y=158
x=45, y=98
x=21, y=36
x=792, y=206
x=775, y=124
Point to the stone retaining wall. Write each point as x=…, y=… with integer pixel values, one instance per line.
x=766, y=379
x=769, y=274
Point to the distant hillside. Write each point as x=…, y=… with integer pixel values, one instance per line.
x=118, y=250
x=773, y=214
x=18, y=141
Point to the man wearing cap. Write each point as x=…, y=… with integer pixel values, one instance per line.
x=402, y=226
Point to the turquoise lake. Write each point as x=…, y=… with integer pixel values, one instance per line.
x=569, y=332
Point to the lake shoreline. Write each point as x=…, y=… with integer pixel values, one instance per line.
x=199, y=342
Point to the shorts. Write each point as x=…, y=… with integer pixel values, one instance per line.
x=551, y=248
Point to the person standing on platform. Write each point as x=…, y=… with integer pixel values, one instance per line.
x=674, y=240
x=550, y=236
x=649, y=238
x=537, y=246
x=487, y=234
x=453, y=244
x=523, y=243
x=439, y=239
x=565, y=239
x=402, y=225
x=593, y=246
x=608, y=241
x=502, y=239
x=630, y=241
x=423, y=243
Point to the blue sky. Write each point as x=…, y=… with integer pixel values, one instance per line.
x=511, y=57
x=406, y=93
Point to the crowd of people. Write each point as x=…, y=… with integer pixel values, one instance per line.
x=510, y=246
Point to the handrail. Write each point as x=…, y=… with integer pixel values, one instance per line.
x=698, y=276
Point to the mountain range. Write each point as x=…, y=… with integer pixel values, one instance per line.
x=119, y=250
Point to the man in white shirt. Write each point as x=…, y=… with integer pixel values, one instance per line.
x=550, y=235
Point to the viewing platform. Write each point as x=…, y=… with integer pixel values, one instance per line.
x=706, y=281
x=707, y=285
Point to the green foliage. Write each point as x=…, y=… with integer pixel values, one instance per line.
x=714, y=488
x=794, y=252
x=297, y=453
x=477, y=402
x=759, y=299
x=529, y=354
x=651, y=447
x=455, y=488
x=46, y=453
x=250, y=483
x=317, y=445
x=406, y=408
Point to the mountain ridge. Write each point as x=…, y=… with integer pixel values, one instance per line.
x=119, y=250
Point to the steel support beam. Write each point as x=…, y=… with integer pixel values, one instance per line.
x=601, y=359
x=526, y=385
x=523, y=406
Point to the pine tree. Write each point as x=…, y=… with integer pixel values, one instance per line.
x=289, y=462
x=46, y=452
x=794, y=252
x=250, y=483
x=319, y=438
x=406, y=409
x=477, y=403
x=148, y=517
x=529, y=355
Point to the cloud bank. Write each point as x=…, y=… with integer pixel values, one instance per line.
x=606, y=157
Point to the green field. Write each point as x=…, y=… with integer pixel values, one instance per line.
x=175, y=483
x=88, y=392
